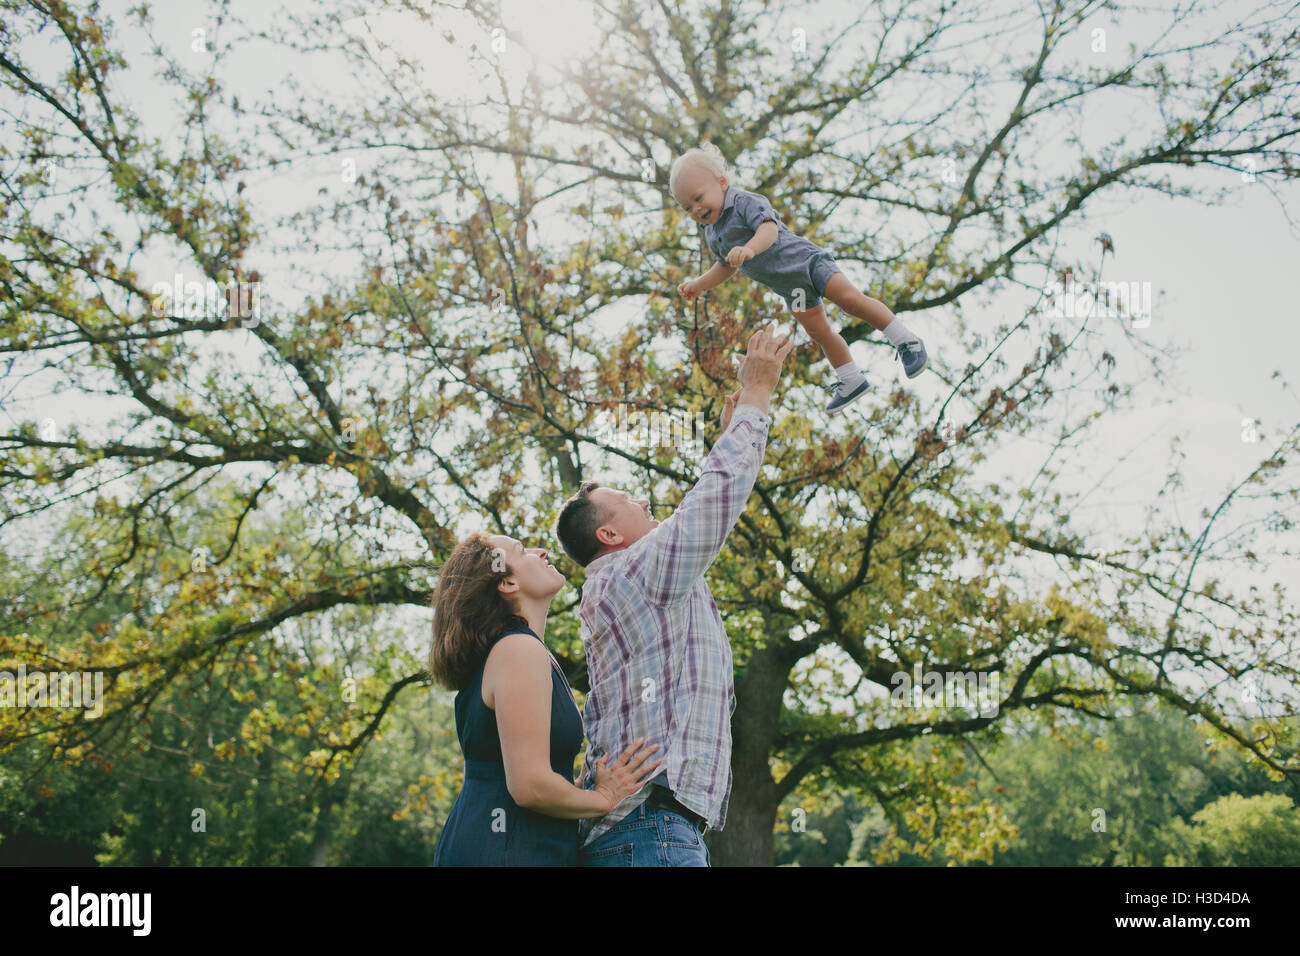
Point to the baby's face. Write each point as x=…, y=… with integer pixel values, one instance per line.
x=700, y=193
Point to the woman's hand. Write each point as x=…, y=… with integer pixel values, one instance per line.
x=689, y=289
x=738, y=255
x=626, y=776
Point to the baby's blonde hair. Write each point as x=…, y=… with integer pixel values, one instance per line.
x=706, y=155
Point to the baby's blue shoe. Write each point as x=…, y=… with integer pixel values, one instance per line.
x=839, y=400
x=915, y=359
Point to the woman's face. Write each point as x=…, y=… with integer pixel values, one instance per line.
x=700, y=193
x=532, y=576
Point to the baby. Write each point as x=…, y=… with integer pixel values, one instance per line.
x=745, y=233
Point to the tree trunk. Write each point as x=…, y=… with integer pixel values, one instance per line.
x=332, y=795
x=746, y=837
x=320, y=841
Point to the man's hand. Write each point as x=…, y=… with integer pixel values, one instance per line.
x=689, y=289
x=738, y=255
x=760, y=368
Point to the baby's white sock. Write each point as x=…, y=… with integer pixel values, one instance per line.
x=850, y=375
x=899, y=333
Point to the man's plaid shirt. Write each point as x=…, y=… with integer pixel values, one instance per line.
x=658, y=657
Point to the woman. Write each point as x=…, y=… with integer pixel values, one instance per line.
x=516, y=718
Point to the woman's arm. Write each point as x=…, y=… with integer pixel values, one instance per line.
x=518, y=670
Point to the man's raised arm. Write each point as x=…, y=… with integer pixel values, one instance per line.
x=688, y=541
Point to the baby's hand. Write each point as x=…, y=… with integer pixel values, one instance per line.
x=689, y=289
x=738, y=255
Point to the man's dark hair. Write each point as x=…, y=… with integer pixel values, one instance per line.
x=576, y=526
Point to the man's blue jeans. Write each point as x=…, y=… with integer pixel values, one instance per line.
x=648, y=836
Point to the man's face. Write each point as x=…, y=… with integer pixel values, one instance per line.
x=700, y=193
x=627, y=520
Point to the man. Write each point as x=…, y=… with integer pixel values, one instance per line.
x=658, y=658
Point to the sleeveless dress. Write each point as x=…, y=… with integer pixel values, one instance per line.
x=486, y=827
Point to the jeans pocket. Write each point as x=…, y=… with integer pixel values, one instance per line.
x=678, y=831
x=621, y=855
x=675, y=855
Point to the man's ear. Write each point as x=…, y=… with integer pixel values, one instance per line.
x=607, y=535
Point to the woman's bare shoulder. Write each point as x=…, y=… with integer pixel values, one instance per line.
x=512, y=653
x=518, y=648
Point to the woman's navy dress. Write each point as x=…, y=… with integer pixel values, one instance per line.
x=486, y=827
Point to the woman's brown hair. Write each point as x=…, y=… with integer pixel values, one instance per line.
x=468, y=611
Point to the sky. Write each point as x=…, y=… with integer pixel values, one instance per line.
x=1222, y=275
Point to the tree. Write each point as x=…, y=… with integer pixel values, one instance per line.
x=227, y=764
x=464, y=371
x=1094, y=794
x=1263, y=830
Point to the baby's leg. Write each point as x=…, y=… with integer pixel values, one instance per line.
x=910, y=348
x=819, y=330
x=846, y=295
